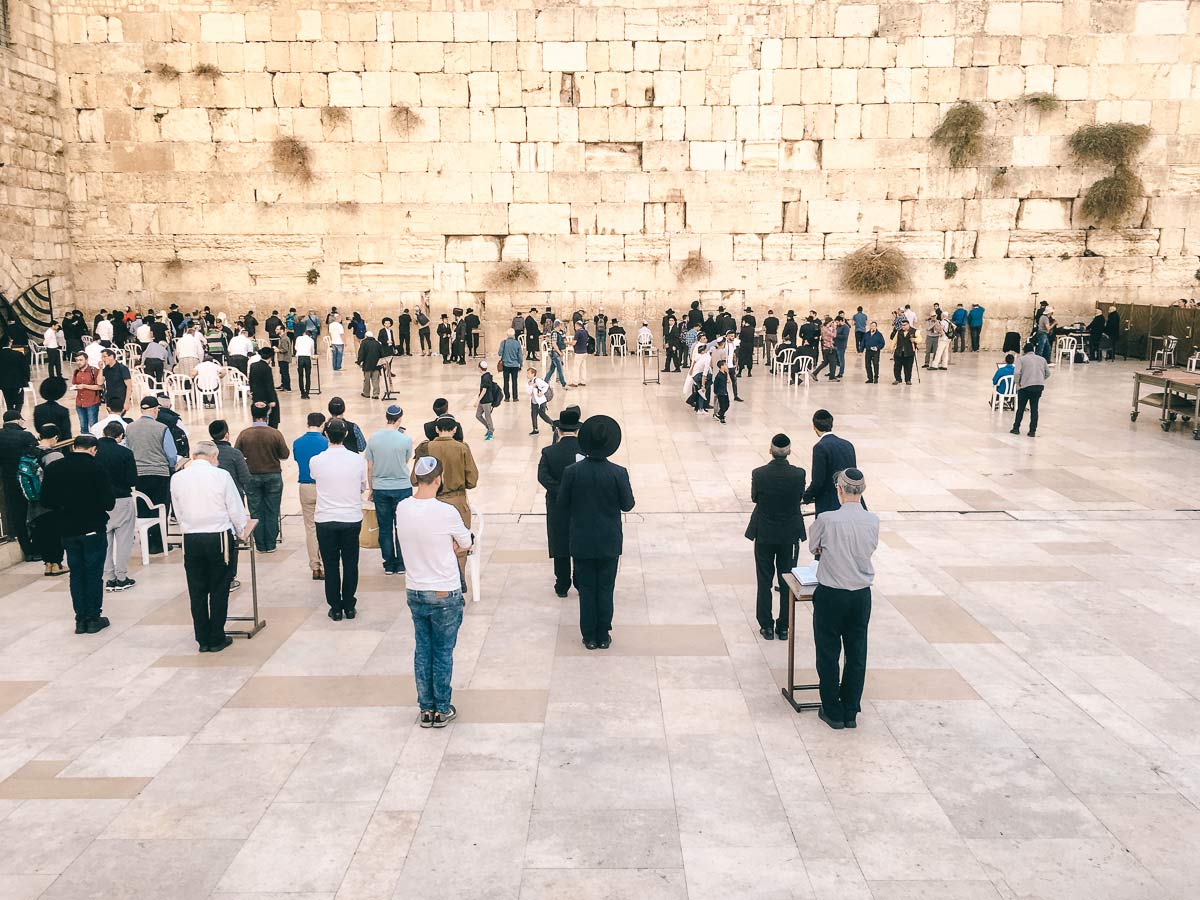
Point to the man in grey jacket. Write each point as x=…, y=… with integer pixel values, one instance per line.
x=1029, y=378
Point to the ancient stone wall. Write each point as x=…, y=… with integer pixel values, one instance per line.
x=639, y=155
x=33, y=204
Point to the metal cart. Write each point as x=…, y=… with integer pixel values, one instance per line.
x=1180, y=397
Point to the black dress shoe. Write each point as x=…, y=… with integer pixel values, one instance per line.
x=832, y=723
x=80, y=626
x=604, y=643
x=336, y=615
x=1014, y=431
x=217, y=648
x=205, y=649
x=351, y=613
x=781, y=633
x=852, y=722
x=559, y=593
x=767, y=633
x=590, y=644
x=96, y=625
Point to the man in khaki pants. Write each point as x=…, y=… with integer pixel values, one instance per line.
x=304, y=448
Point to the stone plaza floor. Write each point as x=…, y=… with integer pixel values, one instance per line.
x=1031, y=727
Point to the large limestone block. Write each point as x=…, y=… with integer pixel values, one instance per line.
x=1161, y=17
x=1080, y=273
x=800, y=155
x=443, y=90
x=1044, y=215
x=186, y=125
x=828, y=216
x=411, y=56
x=564, y=56
x=473, y=248
x=855, y=20
x=1045, y=243
x=222, y=28
x=345, y=89
x=539, y=218
x=1126, y=242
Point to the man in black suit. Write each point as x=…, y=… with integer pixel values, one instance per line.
x=262, y=385
x=831, y=454
x=441, y=407
x=551, y=467
x=591, y=496
x=14, y=375
x=776, y=527
x=387, y=336
x=404, y=334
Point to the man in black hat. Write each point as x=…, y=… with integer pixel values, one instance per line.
x=776, y=527
x=551, y=467
x=591, y=496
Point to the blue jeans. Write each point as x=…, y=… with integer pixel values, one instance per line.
x=337, y=350
x=436, y=617
x=88, y=416
x=556, y=366
x=85, y=556
x=386, y=502
x=263, y=493
x=841, y=354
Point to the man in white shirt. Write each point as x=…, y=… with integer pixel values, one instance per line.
x=188, y=352
x=645, y=337
x=211, y=517
x=92, y=351
x=240, y=348
x=337, y=341
x=428, y=531
x=52, y=343
x=341, y=478
x=144, y=334
x=104, y=330
x=115, y=414
x=207, y=377
x=698, y=378
x=306, y=349
x=539, y=396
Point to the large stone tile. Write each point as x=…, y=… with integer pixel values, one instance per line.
x=610, y=884
x=1046, y=868
x=602, y=839
x=43, y=837
x=763, y=873
x=145, y=870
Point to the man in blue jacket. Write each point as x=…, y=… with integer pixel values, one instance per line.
x=959, y=319
x=975, y=323
x=831, y=454
x=592, y=495
x=860, y=329
x=873, y=344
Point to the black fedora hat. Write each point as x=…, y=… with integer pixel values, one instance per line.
x=600, y=436
x=568, y=419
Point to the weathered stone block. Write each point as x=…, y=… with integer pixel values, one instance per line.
x=1045, y=243
x=1126, y=242
x=222, y=27
x=539, y=218
x=1043, y=215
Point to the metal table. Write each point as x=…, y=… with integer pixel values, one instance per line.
x=1172, y=402
x=797, y=593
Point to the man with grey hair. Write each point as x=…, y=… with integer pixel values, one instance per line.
x=212, y=518
x=843, y=540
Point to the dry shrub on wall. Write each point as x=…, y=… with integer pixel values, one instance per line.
x=174, y=264
x=405, y=118
x=208, y=70
x=1115, y=143
x=292, y=157
x=695, y=266
x=1042, y=101
x=334, y=115
x=1112, y=199
x=960, y=134
x=312, y=276
x=512, y=275
x=165, y=71
x=875, y=270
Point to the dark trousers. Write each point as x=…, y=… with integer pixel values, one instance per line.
x=209, y=562
x=829, y=359
x=673, y=358
x=304, y=375
x=85, y=558
x=872, y=361
x=239, y=362
x=339, y=553
x=536, y=411
x=16, y=511
x=595, y=580
x=154, y=368
x=53, y=362
x=158, y=489
x=975, y=329
x=404, y=343
x=902, y=367
x=722, y=406
x=426, y=343
x=46, y=541
x=960, y=338
x=510, y=379
x=859, y=337
x=562, y=573
x=840, y=621
x=771, y=563
x=14, y=397
x=1032, y=396
x=733, y=382
x=285, y=375
x=263, y=494
x=444, y=348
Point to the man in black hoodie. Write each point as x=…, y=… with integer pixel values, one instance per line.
x=77, y=489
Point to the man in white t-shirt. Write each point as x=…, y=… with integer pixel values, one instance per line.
x=305, y=350
x=104, y=330
x=188, y=352
x=428, y=531
x=52, y=343
x=341, y=478
x=337, y=342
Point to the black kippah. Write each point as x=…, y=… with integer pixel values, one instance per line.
x=781, y=440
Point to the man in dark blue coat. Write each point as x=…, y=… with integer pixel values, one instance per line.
x=593, y=494
x=776, y=527
x=551, y=468
x=831, y=454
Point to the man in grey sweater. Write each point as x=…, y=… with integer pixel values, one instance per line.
x=1029, y=378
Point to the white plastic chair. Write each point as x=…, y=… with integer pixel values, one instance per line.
x=180, y=386
x=616, y=344
x=145, y=524
x=644, y=349
x=1166, y=353
x=133, y=352
x=240, y=385
x=208, y=387
x=474, y=555
x=784, y=361
x=144, y=383
x=1193, y=363
x=1066, y=347
x=37, y=355
x=1005, y=393
x=804, y=366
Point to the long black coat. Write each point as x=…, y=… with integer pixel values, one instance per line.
x=551, y=468
x=262, y=388
x=831, y=454
x=776, y=489
x=593, y=494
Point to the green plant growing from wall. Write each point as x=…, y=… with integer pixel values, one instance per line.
x=950, y=269
x=1111, y=199
x=875, y=269
x=1041, y=101
x=960, y=134
x=292, y=157
x=312, y=276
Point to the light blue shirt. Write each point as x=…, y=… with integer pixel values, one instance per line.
x=510, y=353
x=389, y=452
x=860, y=321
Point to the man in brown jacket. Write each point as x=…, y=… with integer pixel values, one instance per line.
x=459, y=472
x=264, y=448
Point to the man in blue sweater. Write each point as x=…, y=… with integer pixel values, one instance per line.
x=959, y=319
x=975, y=323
